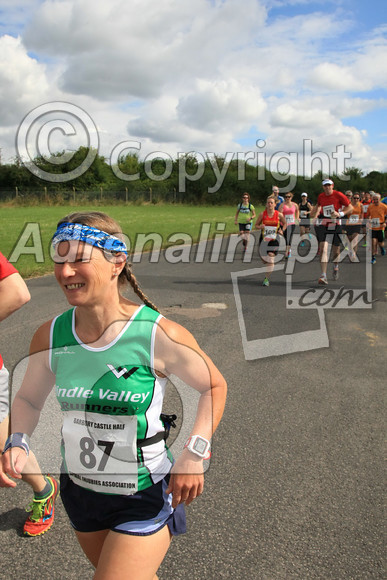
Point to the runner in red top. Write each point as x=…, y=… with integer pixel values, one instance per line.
x=269, y=222
x=332, y=205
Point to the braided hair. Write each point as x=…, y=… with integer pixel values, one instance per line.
x=102, y=221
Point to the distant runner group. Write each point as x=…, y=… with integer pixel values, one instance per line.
x=338, y=220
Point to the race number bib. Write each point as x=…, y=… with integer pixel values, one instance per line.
x=101, y=451
x=375, y=222
x=353, y=219
x=303, y=214
x=270, y=233
x=248, y=227
x=327, y=210
x=289, y=220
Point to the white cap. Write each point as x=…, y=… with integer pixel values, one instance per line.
x=327, y=182
x=304, y=194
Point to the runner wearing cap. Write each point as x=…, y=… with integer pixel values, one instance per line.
x=377, y=214
x=305, y=208
x=331, y=206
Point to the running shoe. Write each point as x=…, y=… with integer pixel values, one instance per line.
x=365, y=245
x=323, y=280
x=42, y=511
x=335, y=274
x=266, y=282
x=302, y=244
x=353, y=257
x=373, y=261
x=383, y=251
x=310, y=236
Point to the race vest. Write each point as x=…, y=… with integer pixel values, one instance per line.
x=110, y=397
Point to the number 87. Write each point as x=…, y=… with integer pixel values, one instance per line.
x=87, y=458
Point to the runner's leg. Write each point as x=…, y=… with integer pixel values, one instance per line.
x=117, y=555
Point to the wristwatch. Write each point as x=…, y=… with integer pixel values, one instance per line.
x=199, y=445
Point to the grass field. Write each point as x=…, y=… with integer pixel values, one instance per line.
x=164, y=220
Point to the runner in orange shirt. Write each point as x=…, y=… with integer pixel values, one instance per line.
x=354, y=224
x=377, y=214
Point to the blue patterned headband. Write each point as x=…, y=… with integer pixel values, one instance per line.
x=70, y=231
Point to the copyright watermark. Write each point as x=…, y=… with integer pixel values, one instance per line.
x=36, y=130
x=75, y=127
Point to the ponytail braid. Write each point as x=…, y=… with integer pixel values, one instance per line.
x=131, y=278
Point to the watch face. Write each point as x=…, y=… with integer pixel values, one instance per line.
x=200, y=445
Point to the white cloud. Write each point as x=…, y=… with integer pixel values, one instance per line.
x=118, y=49
x=23, y=82
x=364, y=70
x=198, y=76
x=215, y=104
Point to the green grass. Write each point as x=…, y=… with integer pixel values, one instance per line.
x=164, y=220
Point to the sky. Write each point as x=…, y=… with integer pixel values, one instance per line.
x=299, y=85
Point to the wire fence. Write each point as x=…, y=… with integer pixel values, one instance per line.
x=45, y=195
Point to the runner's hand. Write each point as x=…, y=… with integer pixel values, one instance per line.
x=187, y=479
x=12, y=463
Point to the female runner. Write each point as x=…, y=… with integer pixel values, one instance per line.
x=244, y=218
x=354, y=224
x=290, y=211
x=269, y=221
x=109, y=360
x=305, y=209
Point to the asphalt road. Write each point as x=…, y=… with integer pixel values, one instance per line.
x=294, y=489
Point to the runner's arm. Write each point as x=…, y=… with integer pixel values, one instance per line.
x=282, y=221
x=177, y=353
x=29, y=401
x=13, y=294
x=346, y=211
x=315, y=211
x=258, y=223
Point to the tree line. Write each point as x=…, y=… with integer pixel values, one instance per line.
x=216, y=181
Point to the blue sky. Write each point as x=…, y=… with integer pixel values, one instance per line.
x=209, y=76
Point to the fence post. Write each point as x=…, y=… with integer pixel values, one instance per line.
x=126, y=194
x=73, y=193
x=17, y=191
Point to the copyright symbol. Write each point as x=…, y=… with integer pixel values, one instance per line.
x=39, y=126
